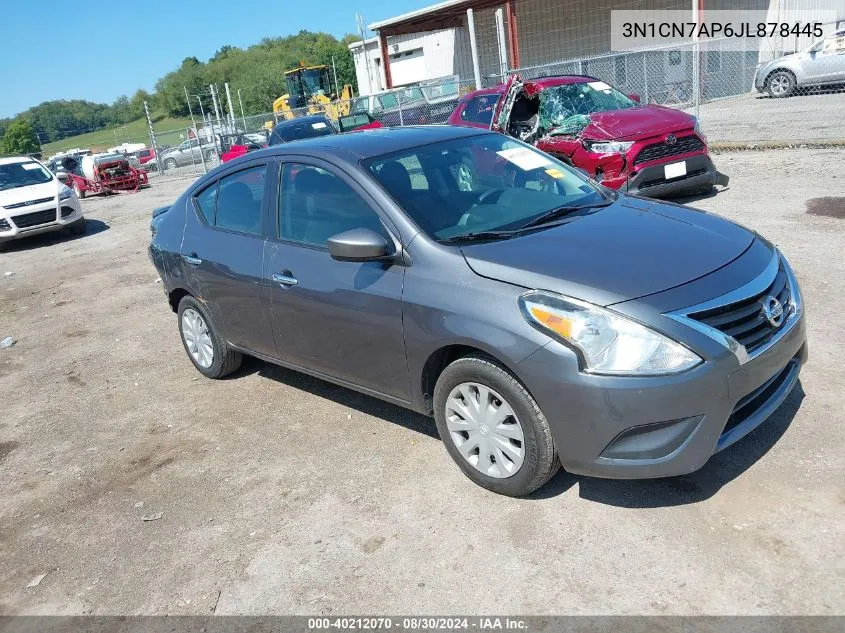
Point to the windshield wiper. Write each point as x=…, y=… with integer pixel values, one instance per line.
x=554, y=214
x=481, y=235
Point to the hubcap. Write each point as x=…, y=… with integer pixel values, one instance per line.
x=780, y=85
x=197, y=338
x=485, y=430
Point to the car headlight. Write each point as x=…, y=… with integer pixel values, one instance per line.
x=609, y=147
x=65, y=193
x=607, y=342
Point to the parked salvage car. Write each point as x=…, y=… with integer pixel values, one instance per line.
x=821, y=64
x=650, y=150
x=33, y=200
x=235, y=145
x=189, y=152
x=539, y=317
x=288, y=130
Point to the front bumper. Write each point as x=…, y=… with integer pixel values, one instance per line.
x=650, y=181
x=41, y=218
x=632, y=428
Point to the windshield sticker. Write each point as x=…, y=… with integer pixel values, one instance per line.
x=525, y=158
x=554, y=173
x=599, y=85
x=30, y=166
x=318, y=126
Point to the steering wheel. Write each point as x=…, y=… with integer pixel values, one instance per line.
x=491, y=196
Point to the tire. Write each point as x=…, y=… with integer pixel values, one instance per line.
x=78, y=227
x=780, y=84
x=170, y=163
x=224, y=360
x=539, y=457
x=80, y=193
x=210, y=155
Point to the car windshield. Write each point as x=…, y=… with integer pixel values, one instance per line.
x=469, y=186
x=14, y=175
x=410, y=94
x=560, y=102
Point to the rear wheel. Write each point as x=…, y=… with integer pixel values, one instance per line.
x=205, y=347
x=210, y=155
x=493, y=428
x=781, y=84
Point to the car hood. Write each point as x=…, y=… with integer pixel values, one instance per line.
x=630, y=249
x=32, y=192
x=636, y=123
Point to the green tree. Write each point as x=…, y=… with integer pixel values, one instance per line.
x=20, y=138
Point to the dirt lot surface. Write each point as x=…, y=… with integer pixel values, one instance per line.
x=280, y=493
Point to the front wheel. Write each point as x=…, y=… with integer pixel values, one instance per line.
x=170, y=163
x=205, y=347
x=781, y=84
x=493, y=428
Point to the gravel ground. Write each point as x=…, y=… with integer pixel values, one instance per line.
x=279, y=493
x=752, y=118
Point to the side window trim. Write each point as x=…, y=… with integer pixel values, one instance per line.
x=198, y=209
x=274, y=231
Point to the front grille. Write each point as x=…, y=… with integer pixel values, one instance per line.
x=752, y=403
x=684, y=145
x=744, y=320
x=34, y=219
x=29, y=203
x=662, y=181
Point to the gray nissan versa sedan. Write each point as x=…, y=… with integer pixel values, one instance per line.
x=541, y=318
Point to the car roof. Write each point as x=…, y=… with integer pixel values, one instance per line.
x=550, y=81
x=379, y=141
x=11, y=160
x=314, y=118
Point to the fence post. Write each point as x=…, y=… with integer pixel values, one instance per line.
x=503, y=51
x=645, y=76
x=399, y=101
x=152, y=136
x=473, y=46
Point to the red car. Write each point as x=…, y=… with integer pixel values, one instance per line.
x=649, y=150
x=145, y=155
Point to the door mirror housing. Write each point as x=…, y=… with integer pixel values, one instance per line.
x=634, y=97
x=358, y=245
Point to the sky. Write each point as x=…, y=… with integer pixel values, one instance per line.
x=96, y=50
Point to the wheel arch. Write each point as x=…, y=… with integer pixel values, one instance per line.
x=175, y=296
x=778, y=70
x=443, y=356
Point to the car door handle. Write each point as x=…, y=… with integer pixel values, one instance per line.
x=192, y=259
x=285, y=280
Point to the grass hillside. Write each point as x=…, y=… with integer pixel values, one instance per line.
x=167, y=131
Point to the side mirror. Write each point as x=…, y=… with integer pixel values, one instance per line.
x=634, y=97
x=358, y=245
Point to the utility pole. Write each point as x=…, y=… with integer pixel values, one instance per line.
x=336, y=86
x=190, y=110
x=361, y=30
x=214, y=101
x=243, y=118
x=231, y=107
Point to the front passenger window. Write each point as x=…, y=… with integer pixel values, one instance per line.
x=315, y=204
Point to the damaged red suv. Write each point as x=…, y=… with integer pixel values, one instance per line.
x=649, y=150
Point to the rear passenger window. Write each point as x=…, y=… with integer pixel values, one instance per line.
x=234, y=202
x=239, y=200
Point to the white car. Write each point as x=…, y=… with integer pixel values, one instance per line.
x=33, y=200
